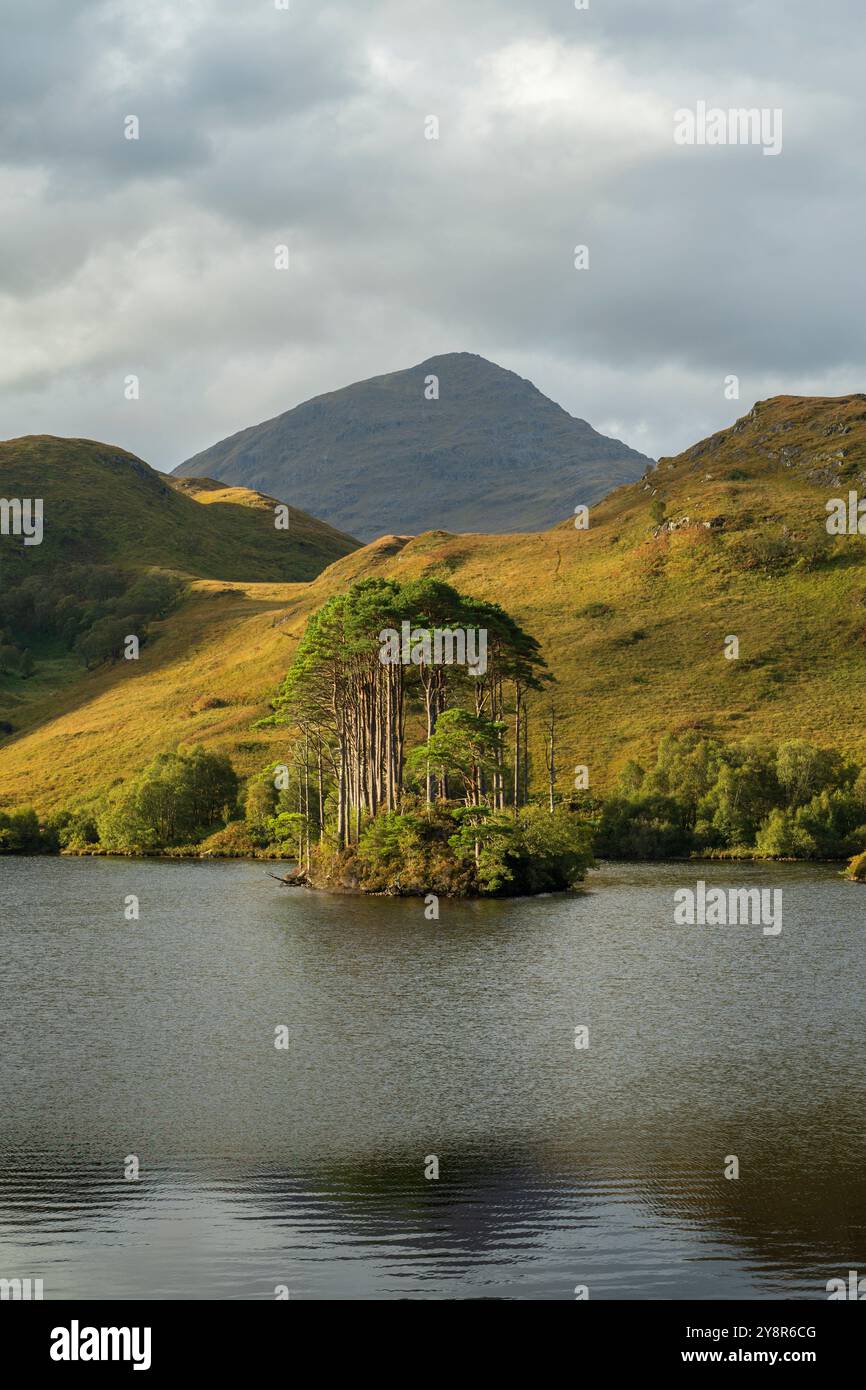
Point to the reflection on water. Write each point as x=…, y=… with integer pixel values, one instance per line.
x=407, y=1038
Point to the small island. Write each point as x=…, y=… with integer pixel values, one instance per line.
x=408, y=705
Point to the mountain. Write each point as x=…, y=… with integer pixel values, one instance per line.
x=491, y=454
x=632, y=615
x=102, y=504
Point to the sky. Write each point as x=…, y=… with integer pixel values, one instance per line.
x=308, y=128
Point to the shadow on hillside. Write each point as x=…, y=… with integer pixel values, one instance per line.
x=175, y=638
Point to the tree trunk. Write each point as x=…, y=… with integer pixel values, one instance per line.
x=321, y=788
x=517, y=736
x=551, y=759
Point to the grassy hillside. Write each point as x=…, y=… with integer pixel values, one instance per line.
x=102, y=504
x=632, y=613
x=108, y=519
x=490, y=454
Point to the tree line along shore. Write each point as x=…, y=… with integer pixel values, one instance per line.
x=408, y=774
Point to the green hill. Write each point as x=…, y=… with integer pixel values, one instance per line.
x=490, y=454
x=633, y=616
x=120, y=545
x=102, y=504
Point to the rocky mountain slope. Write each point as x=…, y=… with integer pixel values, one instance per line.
x=490, y=454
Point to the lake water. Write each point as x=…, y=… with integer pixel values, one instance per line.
x=305, y=1166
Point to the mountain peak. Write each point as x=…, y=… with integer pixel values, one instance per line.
x=478, y=449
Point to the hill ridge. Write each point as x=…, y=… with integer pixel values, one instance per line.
x=95, y=487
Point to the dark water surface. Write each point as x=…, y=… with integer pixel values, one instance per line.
x=407, y=1038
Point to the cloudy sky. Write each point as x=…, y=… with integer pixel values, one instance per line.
x=306, y=127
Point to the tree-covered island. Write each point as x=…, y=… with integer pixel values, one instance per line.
x=408, y=707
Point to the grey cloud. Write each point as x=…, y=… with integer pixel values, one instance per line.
x=260, y=127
